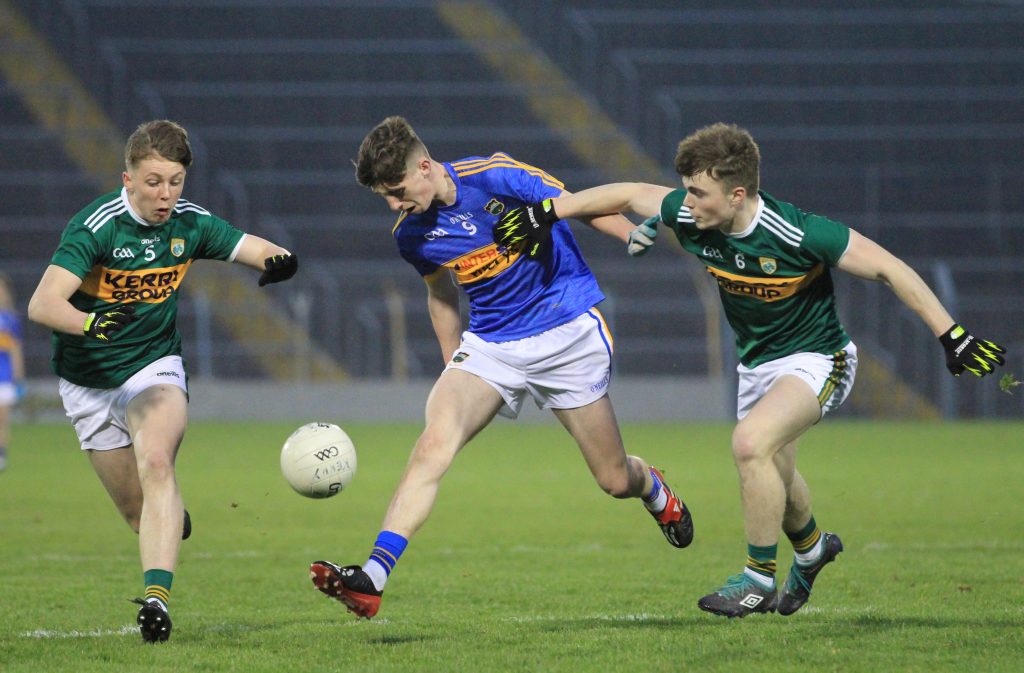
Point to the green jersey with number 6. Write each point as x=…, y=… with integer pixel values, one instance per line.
x=773, y=278
x=122, y=259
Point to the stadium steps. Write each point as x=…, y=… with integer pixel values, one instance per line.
x=55, y=96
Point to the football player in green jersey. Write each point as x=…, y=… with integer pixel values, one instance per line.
x=110, y=295
x=772, y=264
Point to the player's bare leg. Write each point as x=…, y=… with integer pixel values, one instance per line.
x=119, y=473
x=156, y=421
x=459, y=406
x=785, y=412
x=596, y=431
x=813, y=548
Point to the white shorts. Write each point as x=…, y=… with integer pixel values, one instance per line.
x=566, y=367
x=8, y=394
x=829, y=376
x=100, y=415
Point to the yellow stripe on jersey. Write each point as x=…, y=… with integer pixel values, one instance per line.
x=471, y=167
x=7, y=342
x=485, y=262
x=152, y=286
x=400, y=219
x=765, y=289
x=604, y=328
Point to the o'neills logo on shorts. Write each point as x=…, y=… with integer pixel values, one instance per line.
x=152, y=286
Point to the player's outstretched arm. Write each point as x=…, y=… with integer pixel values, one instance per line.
x=964, y=352
x=619, y=197
x=276, y=263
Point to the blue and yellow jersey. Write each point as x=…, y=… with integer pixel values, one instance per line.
x=10, y=336
x=510, y=296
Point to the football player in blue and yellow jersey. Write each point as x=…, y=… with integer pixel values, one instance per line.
x=12, y=363
x=110, y=295
x=534, y=331
x=772, y=262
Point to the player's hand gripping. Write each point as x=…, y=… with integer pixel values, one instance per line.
x=530, y=224
x=278, y=268
x=965, y=351
x=102, y=325
x=642, y=238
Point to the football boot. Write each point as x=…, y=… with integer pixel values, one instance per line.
x=675, y=520
x=739, y=597
x=797, y=589
x=348, y=584
x=153, y=620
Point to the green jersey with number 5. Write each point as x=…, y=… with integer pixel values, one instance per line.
x=122, y=259
x=774, y=278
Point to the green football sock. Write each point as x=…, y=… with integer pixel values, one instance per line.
x=806, y=542
x=158, y=584
x=761, y=564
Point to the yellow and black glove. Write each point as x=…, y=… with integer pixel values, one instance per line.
x=965, y=351
x=529, y=225
x=102, y=325
x=278, y=268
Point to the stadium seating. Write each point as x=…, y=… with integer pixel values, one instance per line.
x=903, y=122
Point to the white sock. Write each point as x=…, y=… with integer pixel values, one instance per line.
x=154, y=599
x=378, y=575
x=766, y=582
x=660, y=501
x=811, y=556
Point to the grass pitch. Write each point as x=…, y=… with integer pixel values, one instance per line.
x=525, y=565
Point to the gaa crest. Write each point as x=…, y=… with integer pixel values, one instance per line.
x=768, y=264
x=495, y=207
x=177, y=246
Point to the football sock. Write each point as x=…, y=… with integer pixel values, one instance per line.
x=657, y=499
x=807, y=543
x=761, y=565
x=386, y=551
x=158, y=585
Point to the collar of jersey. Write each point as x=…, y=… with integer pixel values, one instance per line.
x=754, y=221
x=458, y=186
x=128, y=206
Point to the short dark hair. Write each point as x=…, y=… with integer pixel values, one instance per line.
x=725, y=152
x=384, y=153
x=160, y=136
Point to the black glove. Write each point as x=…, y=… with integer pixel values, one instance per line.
x=103, y=324
x=278, y=268
x=965, y=351
x=530, y=224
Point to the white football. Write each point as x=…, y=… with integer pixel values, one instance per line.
x=318, y=460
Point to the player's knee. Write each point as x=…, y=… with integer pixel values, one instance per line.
x=616, y=485
x=747, y=445
x=156, y=467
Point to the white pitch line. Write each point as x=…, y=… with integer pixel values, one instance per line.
x=126, y=630
x=603, y=617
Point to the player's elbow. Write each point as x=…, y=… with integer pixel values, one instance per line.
x=37, y=308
